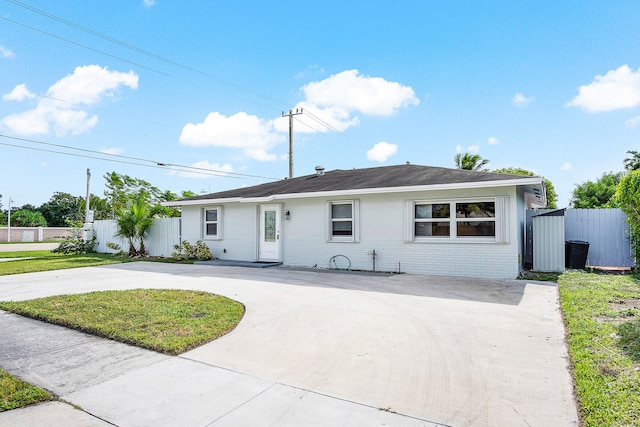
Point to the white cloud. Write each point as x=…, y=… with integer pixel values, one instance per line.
x=615, y=90
x=90, y=83
x=330, y=104
x=354, y=92
x=6, y=53
x=459, y=148
x=208, y=170
x=250, y=133
x=474, y=149
x=633, y=122
x=566, y=166
x=519, y=100
x=58, y=112
x=19, y=93
x=113, y=150
x=493, y=141
x=149, y=3
x=381, y=152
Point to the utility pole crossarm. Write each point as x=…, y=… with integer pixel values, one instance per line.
x=291, y=113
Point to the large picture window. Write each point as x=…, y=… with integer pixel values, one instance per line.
x=459, y=220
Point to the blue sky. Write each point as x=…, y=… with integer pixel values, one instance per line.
x=552, y=87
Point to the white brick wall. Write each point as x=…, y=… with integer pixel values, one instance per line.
x=382, y=222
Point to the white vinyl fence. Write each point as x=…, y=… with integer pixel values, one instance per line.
x=163, y=234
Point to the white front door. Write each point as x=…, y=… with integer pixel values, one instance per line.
x=269, y=243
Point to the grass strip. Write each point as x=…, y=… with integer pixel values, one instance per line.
x=15, y=393
x=163, y=320
x=50, y=261
x=602, y=317
x=26, y=254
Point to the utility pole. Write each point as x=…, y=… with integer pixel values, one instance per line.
x=86, y=205
x=9, y=221
x=291, y=113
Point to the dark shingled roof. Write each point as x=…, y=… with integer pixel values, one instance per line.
x=356, y=179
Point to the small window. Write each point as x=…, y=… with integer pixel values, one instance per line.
x=211, y=222
x=342, y=219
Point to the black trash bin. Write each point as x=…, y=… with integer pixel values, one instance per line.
x=575, y=254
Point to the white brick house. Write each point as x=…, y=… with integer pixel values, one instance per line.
x=418, y=219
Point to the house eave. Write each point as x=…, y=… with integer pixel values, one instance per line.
x=529, y=182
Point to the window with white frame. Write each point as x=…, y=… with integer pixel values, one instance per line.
x=477, y=220
x=342, y=224
x=211, y=218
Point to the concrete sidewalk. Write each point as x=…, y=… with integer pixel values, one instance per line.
x=454, y=351
x=38, y=246
x=117, y=384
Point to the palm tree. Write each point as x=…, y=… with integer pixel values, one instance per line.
x=632, y=163
x=472, y=162
x=133, y=222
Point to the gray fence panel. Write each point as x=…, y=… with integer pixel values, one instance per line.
x=606, y=230
x=548, y=243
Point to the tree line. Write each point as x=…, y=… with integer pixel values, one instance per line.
x=64, y=209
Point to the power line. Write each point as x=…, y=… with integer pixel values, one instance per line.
x=324, y=123
x=135, y=49
x=151, y=55
x=83, y=46
x=153, y=163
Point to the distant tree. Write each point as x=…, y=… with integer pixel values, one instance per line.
x=472, y=162
x=28, y=207
x=598, y=194
x=121, y=188
x=632, y=162
x=552, y=196
x=627, y=197
x=27, y=218
x=62, y=208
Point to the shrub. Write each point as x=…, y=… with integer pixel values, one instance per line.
x=76, y=244
x=200, y=251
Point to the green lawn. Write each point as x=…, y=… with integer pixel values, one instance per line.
x=168, y=321
x=46, y=260
x=15, y=393
x=602, y=317
x=164, y=320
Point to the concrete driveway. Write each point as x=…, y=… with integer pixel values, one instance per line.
x=454, y=351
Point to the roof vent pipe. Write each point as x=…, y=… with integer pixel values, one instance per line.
x=319, y=170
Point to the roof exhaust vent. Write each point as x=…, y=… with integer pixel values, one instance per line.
x=319, y=170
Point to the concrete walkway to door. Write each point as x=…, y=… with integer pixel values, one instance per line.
x=454, y=351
